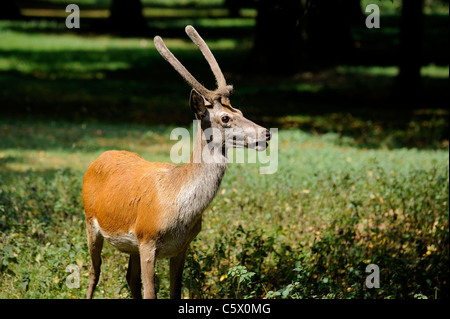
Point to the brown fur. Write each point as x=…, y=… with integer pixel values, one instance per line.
x=122, y=192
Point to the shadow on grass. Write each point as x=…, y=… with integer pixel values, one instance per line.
x=135, y=85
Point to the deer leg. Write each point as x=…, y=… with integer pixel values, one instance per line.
x=95, y=245
x=134, y=276
x=147, y=252
x=176, y=274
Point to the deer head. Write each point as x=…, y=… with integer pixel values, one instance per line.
x=213, y=108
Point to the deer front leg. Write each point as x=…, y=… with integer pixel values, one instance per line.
x=176, y=274
x=147, y=252
x=95, y=245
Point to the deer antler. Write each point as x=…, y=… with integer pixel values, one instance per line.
x=169, y=57
x=222, y=88
x=197, y=39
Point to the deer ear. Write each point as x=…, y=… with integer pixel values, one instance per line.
x=198, y=104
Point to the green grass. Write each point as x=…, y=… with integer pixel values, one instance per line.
x=307, y=231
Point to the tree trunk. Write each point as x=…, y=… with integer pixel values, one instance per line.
x=126, y=17
x=278, y=36
x=409, y=80
x=9, y=11
x=233, y=7
x=328, y=27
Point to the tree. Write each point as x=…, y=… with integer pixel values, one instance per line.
x=126, y=17
x=328, y=27
x=278, y=36
x=9, y=11
x=409, y=80
x=233, y=7
x=279, y=46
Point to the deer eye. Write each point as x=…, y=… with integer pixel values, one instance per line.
x=225, y=119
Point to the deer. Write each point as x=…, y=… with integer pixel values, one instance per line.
x=153, y=210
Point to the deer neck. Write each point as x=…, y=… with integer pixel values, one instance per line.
x=205, y=172
x=204, y=152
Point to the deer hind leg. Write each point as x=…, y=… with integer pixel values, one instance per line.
x=134, y=276
x=176, y=274
x=95, y=245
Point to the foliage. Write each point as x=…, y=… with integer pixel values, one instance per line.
x=307, y=231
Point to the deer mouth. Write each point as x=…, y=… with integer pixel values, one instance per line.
x=260, y=145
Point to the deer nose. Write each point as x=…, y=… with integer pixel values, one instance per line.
x=268, y=135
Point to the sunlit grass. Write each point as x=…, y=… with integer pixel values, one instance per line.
x=432, y=70
x=435, y=71
x=42, y=42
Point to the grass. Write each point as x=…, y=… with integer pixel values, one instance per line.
x=307, y=231
x=69, y=76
